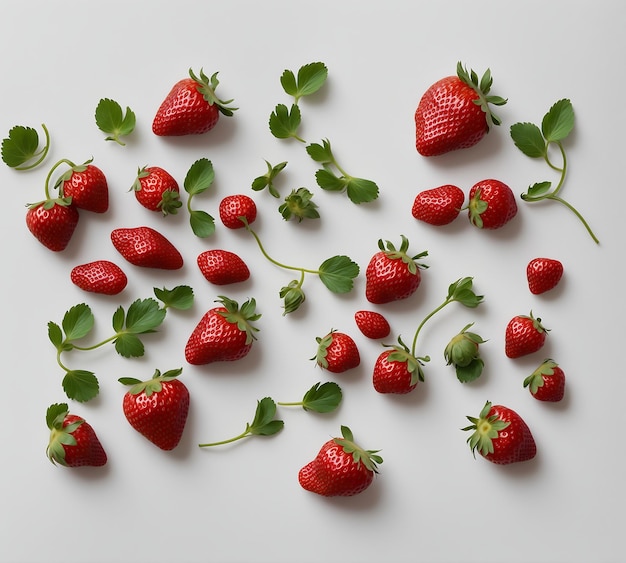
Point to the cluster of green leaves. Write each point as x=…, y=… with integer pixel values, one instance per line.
x=143, y=316
x=21, y=151
x=113, y=121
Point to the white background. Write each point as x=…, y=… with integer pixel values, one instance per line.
x=432, y=500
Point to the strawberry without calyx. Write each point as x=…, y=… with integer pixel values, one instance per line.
x=99, y=276
x=157, y=408
x=491, y=204
x=146, y=247
x=438, y=206
x=87, y=185
x=372, y=324
x=524, y=335
x=543, y=274
x=157, y=190
x=222, y=267
x=337, y=352
x=234, y=206
x=454, y=113
x=52, y=222
x=191, y=107
x=341, y=468
x=501, y=436
x=547, y=382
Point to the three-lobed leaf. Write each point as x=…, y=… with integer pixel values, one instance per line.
x=311, y=77
x=111, y=119
x=284, y=122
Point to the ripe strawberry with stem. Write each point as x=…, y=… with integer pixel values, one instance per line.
x=535, y=142
x=547, y=382
x=438, y=206
x=20, y=149
x=191, y=107
x=524, y=335
x=398, y=369
x=86, y=185
x=454, y=112
x=491, y=204
x=222, y=267
x=157, y=190
x=543, y=274
x=146, y=247
x=100, y=276
x=337, y=352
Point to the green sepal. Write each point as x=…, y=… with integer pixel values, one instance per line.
x=338, y=273
x=242, y=317
x=80, y=385
x=111, y=120
x=485, y=429
x=267, y=179
x=207, y=87
x=20, y=150
x=482, y=88
x=401, y=253
x=536, y=378
x=369, y=458
x=299, y=204
x=59, y=436
x=414, y=364
x=150, y=386
x=463, y=349
x=461, y=291
x=264, y=423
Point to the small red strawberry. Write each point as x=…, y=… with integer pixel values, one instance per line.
x=99, y=276
x=146, y=247
x=341, y=468
x=491, y=204
x=191, y=107
x=547, y=382
x=454, y=113
x=224, y=333
x=524, y=335
x=234, y=206
x=87, y=185
x=397, y=371
x=157, y=190
x=501, y=436
x=543, y=274
x=52, y=222
x=222, y=267
x=372, y=324
x=438, y=206
x=392, y=274
x=157, y=408
x=337, y=352
x=73, y=442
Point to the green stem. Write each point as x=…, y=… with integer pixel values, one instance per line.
x=57, y=164
x=43, y=153
x=222, y=442
x=61, y=364
x=576, y=212
x=562, y=171
x=298, y=404
x=98, y=345
x=426, y=318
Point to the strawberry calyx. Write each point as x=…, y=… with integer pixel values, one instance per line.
x=207, y=87
x=369, y=458
x=485, y=428
x=477, y=207
x=402, y=354
x=150, y=386
x=482, y=88
x=241, y=316
x=394, y=253
x=59, y=435
x=536, y=379
x=536, y=323
x=322, y=348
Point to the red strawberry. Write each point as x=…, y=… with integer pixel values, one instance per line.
x=501, y=435
x=337, y=352
x=397, y=371
x=491, y=204
x=99, y=276
x=52, y=222
x=191, y=107
x=454, y=113
x=341, y=468
x=157, y=408
x=543, y=274
x=234, y=206
x=438, y=206
x=143, y=246
x=222, y=267
x=547, y=382
x=87, y=186
x=224, y=333
x=157, y=190
x=372, y=324
x=73, y=442
x=524, y=335
x=392, y=274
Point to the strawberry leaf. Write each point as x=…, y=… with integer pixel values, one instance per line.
x=529, y=139
x=111, y=120
x=470, y=372
x=298, y=204
x=181, y=297
x=22, y=146
x=320, y=153
x=264, y=423
x=322, y=398
x=55, y=335
x=328, y=181
x=80, y=385
x=558, y=123
x=199, y=177
x=129, y=345
x=202, y=224
x=144, y=316
x=538, y=189
x=361, y=191
x=337, y=273
x=311, y=77
x=267, y=180
x=77, y=322
x=284, y=122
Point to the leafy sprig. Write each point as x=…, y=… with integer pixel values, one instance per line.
x=536, y=142
x=199, y=178
x=111, y=120
x=267, y=179
x=321, y=398
x=20, y=150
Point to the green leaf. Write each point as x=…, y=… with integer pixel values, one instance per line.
x=78, y=321
x=119, y=317
x=202, y=224
x=111, y=120
x=129, y=345
x=22, y=145
x=284, y=122
x=264, y=423
x=55, y=334
x=337, y=273
x=361, y=191
x=538, y=189
x=528, y=138
x=181, y=297
x=267, y=180
x=470, y=372
x=559, y=121
x=311, y=78
x=461, y=291
x=144, y=316
x=199, y=177
x=299, y=204
x=321, y=153
x=322, y=398
x=80, y=385
x=328, y=181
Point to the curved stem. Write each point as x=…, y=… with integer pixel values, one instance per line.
x=276, y=262
x=57, y=164
x=426, y=318
x=61, y=364
x=575, y=211
x=562, y=170
x=42, y=154
x=222, y=442
x=98, y=345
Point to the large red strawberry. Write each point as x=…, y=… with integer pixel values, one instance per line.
x=438, y=206
x=52, y=222
x=157, y=408
x=397, y=371
x=454, y=113
x=157, y=190
x=547, y=382
x=224, y=333
x=191, y=107
x=99, y=276
x=524, y=335
x=372, y=324
x=491, y=204
x=232, y=207
x=501, y=436
x=543, y=274
x=87, y=185
x=392, y=274
x=337, y=352
x=146, y=247
x=222, y=267
x=73, y=442
x=341, y=468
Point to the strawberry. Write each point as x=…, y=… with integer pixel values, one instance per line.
x=372, y=324
x=157, y=408
x=222, y=267
x=547, y=382
x=224, y=333
x=491, y=204
x=524, y=335
x=341, y=468
x=337, y=352
x=438, y=206
x=73, y=442
x=397, y=371
x=543, y=274
x=191, y=107
x=146, y=247
x=52, y=222
x=99, y=276
x=87, y=185
x=392, y=274
x=454, y=113
x=501, y=436
x=233, y=207
x=157, y=190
